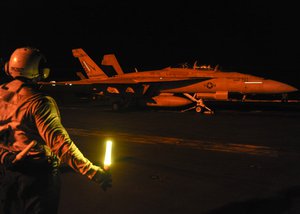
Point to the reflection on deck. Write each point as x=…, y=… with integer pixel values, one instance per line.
x=196, y=144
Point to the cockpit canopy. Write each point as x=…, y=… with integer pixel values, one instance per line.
x=196, y=66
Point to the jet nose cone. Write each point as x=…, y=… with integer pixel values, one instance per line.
x=280, y=87
x=293, y=89
x=288, y=88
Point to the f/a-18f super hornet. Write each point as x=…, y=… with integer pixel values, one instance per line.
x=171, y=86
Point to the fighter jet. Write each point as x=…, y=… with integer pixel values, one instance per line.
x=171, y=86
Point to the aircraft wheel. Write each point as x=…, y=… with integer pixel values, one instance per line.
x=198, y=109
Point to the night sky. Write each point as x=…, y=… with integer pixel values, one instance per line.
x=246, y=36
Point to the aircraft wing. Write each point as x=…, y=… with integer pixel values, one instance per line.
x=147, y=80
x=150, y=80
x=91, y=82
x=125, y=81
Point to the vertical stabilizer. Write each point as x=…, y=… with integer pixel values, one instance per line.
x=110, y=59
x=92, y=70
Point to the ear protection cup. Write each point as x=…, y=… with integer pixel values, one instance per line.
x=44, y=71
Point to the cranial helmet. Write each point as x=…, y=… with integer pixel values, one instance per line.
x=27, y=62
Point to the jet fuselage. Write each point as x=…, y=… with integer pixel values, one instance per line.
x=185, y=80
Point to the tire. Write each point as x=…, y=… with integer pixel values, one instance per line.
x=198, y=109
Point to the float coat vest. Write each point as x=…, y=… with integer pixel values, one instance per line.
x=27, y=115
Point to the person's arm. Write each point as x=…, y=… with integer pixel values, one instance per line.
x=48, y=122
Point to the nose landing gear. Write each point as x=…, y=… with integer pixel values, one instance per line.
x=199, y=107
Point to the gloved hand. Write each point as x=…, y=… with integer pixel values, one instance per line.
x=8, y=160
x=103, y=177
x=11, y=158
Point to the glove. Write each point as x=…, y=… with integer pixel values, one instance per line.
x=11, y=158
x=8, y=160
x=103, y=177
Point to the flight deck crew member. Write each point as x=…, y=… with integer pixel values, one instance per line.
x=32, y=184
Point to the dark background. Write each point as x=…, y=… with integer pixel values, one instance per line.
x=246, y=36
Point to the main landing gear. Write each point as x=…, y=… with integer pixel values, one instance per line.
x=199, y=107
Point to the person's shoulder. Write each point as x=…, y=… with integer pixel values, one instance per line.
x=35, y=95
x=33, y=90
x=44, y=97
x=42, y=102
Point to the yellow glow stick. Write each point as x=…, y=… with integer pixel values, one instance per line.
x=107, y=159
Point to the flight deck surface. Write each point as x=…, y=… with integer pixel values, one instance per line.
x=235, y=161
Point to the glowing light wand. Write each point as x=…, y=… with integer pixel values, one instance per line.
x=107, y=158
